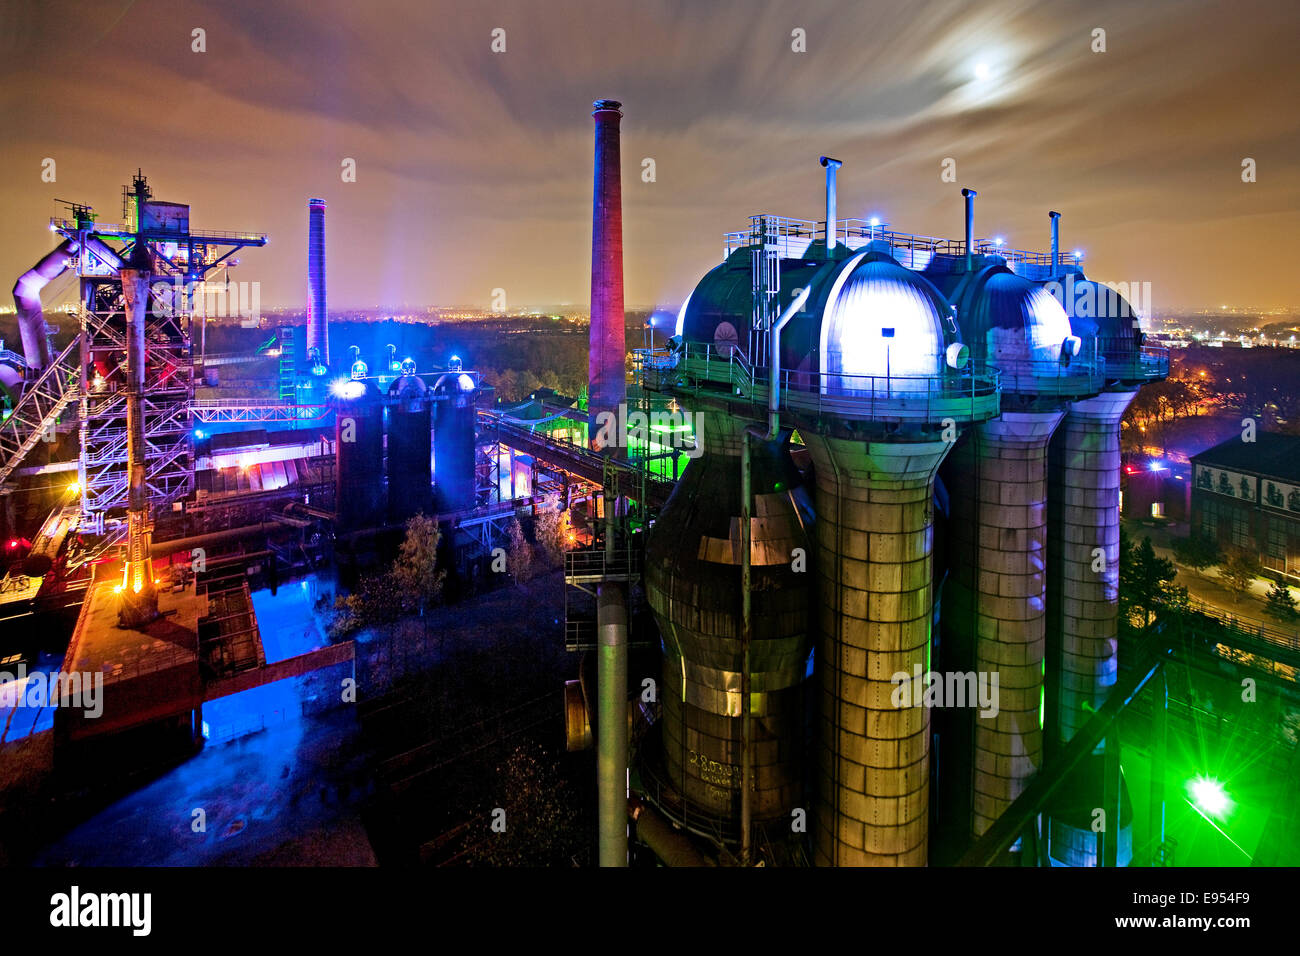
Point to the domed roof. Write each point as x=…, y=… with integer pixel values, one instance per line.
x=1093, y=308
x=454, y=382
x=866, y=316
x=1099, y=313
x=881, y=319
x=408, y=386
x=1006, y=319
x=352, y=390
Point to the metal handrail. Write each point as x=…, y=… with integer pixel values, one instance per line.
x=838, y=393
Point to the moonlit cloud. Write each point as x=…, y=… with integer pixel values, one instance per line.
x=474, y=168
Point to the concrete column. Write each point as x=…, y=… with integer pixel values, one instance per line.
x=994, y=608
x=1082, y=614
x=874, y=536
x=1083, y=545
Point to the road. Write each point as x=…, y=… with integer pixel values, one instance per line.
x=1207, y=587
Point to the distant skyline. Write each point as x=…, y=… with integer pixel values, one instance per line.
x=473, y=167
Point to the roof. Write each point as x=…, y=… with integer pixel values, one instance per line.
x=1271, y=453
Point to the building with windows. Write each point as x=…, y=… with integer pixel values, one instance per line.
x=1246, y=494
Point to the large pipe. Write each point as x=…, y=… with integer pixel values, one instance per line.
x=318, y=334
x=969, y=195
x=1056, y=240
x=611, y=739
x=774, y=365
x=27, y=302
x=746, y=641
x=832, y=225
x=139, y=595
x=672, y=846
x=607, y=346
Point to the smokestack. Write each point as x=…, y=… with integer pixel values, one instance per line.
x=970, y=195
x=832, y=165
x=607, y=349
x=318, y=332
x=1056, y=240
x=139, y=596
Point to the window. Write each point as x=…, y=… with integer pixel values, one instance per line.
x=1240, y=530
x=1157, y=509
x=1277, y=540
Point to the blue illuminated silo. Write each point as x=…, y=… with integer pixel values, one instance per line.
x=455, y=393
x=359, y=451
x=410, y=476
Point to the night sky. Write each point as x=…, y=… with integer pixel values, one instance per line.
x=474, y=167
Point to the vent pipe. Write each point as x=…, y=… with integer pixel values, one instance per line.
x=1056, y=240
x=832, y=225
x=970, y=195
x=318, y=336
x=607, y=346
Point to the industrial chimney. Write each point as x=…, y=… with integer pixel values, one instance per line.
x=607, y=349
x=318, y=333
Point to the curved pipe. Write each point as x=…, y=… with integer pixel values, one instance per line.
x=27, y=302
x=774, y=364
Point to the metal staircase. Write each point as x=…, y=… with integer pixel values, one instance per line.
x=35, y=417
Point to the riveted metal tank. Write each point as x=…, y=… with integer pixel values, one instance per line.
x=871, y=367
x=359, y=453
x=410, y=449
x=455, y=393
x=693, y=584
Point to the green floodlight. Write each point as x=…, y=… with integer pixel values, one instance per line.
x=1209, y=797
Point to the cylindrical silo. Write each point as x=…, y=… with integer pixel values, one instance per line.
x=873, y=376
x=359, y=454
x=454, y=393
x=994, y=601
x=1083, y=553
x=693, y=582
x=410, y=449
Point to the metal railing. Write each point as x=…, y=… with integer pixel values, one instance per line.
x=123, y=231
x=885, y=397
x=597, y=563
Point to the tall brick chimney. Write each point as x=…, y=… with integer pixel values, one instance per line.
x=607, y=349
x=318, y=334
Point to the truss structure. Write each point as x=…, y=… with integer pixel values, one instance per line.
x=183, y=259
